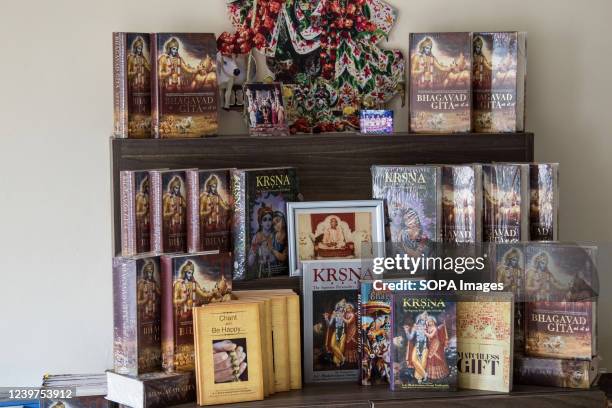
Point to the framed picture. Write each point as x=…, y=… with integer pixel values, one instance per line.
x=265, y=109
x=327, y=230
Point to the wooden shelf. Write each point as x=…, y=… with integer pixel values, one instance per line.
x=330, y=166
x=354, y=396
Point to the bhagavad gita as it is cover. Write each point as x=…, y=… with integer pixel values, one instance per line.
x=484, y=341
x=134, y=189
x=229, y=353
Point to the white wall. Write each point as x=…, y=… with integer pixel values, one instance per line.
x=56, y=107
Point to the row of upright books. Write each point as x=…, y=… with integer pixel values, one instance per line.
x=165, y=84
x=245, y=211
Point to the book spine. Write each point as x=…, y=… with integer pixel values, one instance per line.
x=392, y=351
x=521, y=81
x=295, y=344
x=525, y=201
x=193, y=211
x=360, y=332
x=128, y=215
x=125, y=356
x=167, y=315
x=155, y=211
x=478, y=194
x=155, y=103
x=164, y=392
x=120, y=110
x=438, y=213
x=239, y=227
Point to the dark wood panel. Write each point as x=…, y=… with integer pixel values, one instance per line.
x=351, y=395
x=330, y=166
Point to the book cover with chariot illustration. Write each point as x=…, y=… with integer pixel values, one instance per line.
x=188, y=281
x=424, y=345
x=209, y=210
x=184, y=91
x=136, y=315
x=498, y=81
x=440, y=82
x=331, y=319
x=261, y=245
x=132, y=85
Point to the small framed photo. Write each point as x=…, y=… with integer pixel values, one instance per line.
x=328, y=230
x=376, y=121
x=265, y=109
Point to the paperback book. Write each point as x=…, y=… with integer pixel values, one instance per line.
x=136, y=315
x=331, y=322
x=440, y=82
x=229, y=364
x=554, y=372
x=132, y=85
x=168, y=211
x=260, y=220
x=484, y=341
x=184, y=91
x=461, y=204
x=505, y=202
x=412, y=199
x=209, y=210
x=189, y=281
x=544, y=202
x=375, y=334
x=424, y=346
x=499, y=71
x=135, y=215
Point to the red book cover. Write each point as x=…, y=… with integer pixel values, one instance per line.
x=132, y=85
x=137, y=315
x=184, y=86
x=189, y=281
x=209, y=210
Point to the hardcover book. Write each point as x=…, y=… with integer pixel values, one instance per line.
x=132, y=85
x=135, y=216
x=331, y=323
x=229, y=353
x=424, y=346
x=554, y=372
x=375, y=334
x=168, y=211
x=505, y=202
x=461, y=204
x=209, y=210
x=561, y=329
x=544, y=202
x=151, y=390
x=189, y=281
x=484, y=341
x=184, y=91
x=499, y=65
x=260, y=220
x=86, y=391
x=136, y=315
x=412, y=199
x=440, y=82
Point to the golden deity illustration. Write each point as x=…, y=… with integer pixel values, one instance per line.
x=149, y=292
x=172, y=68
x=213, y=208
x=138, y=67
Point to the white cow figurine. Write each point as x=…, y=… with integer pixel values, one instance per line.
x=231, y=71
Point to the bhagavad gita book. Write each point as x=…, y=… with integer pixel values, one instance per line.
x=135, y=216
x=261, y=246
x=331, y=319
x=440, y=82
x=424, y=346
x=375, y=332
x=461, y=204
x=229, y=350
x=168, y=211
x=132, y=85
x=484, y=341
x=209, y=210
x=544, y=202
x=136, y=315
x=412, y=200
x=554, y=372
x=499, y=70
x=184, y=91
x=505, y=202
x=188, y=281
x=85, y=391
x=563, y=330
x=151, y=390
